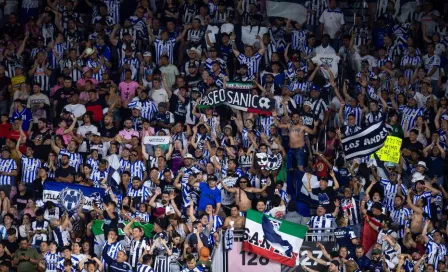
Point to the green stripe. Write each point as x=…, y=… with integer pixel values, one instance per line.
x=285, y=226
x=293, y=229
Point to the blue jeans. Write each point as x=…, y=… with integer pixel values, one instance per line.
x=297, y=154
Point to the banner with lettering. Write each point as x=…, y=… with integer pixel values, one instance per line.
x=52, y=192
x=240, y=100
x=365, y=142
x=390, y=152
x=156, y=140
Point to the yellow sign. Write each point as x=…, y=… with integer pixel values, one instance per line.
x=390, y=152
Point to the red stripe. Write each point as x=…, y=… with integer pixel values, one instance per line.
x=369, y=235
x=291, y=262
x=257, y=111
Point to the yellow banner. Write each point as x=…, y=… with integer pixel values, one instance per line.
x=390, y=152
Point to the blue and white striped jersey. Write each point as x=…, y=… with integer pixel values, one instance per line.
x=399, y=216
x=75, y=158
x=144, y=268
x=413, y=61
x=93, y=65
x=408, y=116
x=138, y=169
x=7, y=166
x=97, y=176
x=390, y=191
x=252, y=62
x=124, y=164
x=51, y=261
x=30, y=167
x=298, y=38
x=356, y=111
x=142, y=193
x=165, y=48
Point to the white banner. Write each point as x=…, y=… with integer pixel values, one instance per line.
x=156, y=140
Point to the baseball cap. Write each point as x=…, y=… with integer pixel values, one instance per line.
x=315, y=88
x=375, y=77
x=188, y=156
x=376, y=251
x=295, y=59
x=96, y=134
x=162, y=105
x=85, y=69
x=307, y=103
x=147, y=54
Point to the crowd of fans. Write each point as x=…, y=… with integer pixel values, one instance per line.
x=82, y=83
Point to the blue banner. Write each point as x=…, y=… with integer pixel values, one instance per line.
x=73, y=194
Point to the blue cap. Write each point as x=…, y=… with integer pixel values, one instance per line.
x=315, y=88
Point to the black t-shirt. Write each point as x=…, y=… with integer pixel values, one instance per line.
x=178, y=108
x=62, y=96
x=11, y=246
x=167, y=186
x=109, y=223
x=109, y=132
x=21, y=200
x=65, y=172
x=326, y=196
x=411, y=146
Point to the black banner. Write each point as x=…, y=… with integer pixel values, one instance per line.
x=365, y=142
x=241, y=100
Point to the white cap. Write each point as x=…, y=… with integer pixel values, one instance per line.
x=188, y=156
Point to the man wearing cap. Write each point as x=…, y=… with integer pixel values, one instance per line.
x=212, y=58
x=376, y=263
x=318, y=106
x=323, y=219
x=23, y=114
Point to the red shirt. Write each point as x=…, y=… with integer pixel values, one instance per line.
x=4, y=130
x=15, y=135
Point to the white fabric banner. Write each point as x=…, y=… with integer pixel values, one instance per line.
x=156, y=140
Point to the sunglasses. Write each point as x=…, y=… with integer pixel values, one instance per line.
x=134, y=155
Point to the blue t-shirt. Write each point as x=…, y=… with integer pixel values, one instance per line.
x=208, y=196
x=25, y=115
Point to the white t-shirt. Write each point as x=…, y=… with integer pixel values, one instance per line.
x=159, y=95
x=332, y=20
x=331, y=60
x=83, y=130
x=77, y=110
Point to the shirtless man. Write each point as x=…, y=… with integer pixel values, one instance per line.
x=244, y=194
x=296, y=137
x=416, y=221
x=235, y=217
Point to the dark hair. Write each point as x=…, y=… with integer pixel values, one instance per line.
x=190, y=258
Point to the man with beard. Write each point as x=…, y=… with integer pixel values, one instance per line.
x=125, y=135
x=138, y=192
x=108, y=131
x=75, y=108
x=65, y=173
x=296, y=138
x=62, y=96
x=300, y=87
x=148, y=107
x=75, y=158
